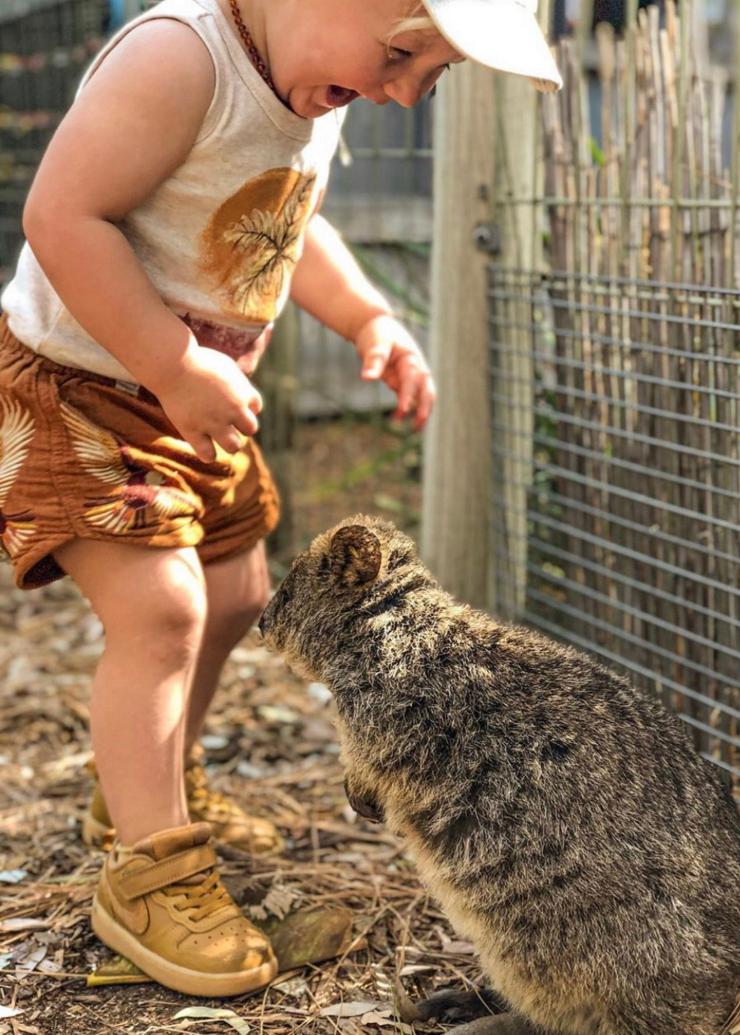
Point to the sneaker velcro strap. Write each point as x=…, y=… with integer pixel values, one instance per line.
x=172, y=870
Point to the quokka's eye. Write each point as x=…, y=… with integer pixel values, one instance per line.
x=284, y=591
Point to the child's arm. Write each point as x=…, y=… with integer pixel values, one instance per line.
x=330, y=285
x=131, y=127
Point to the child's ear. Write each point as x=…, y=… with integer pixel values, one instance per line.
x=354, y=555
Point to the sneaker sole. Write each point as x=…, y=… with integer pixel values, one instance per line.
x=180, y=979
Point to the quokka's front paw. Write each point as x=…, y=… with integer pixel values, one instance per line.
x=450, y=1004
x=363, y=802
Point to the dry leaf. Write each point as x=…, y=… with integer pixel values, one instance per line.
x=277, y=902
x=31, y=960
x=214, y=741
x=310, y=936
x=386, y=1019
x=12, y=876
x=454, y=947
x=50, y=966
x=292, y=986
x=319, y=692
x=207, y=1013
x=278, y=713
x=117, y=971
x=350, y=1009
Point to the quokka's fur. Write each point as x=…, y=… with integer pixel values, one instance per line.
x=559, y=815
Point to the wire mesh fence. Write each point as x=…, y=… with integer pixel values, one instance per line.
x=44, y=48
x=616, y=408
x=632, y=487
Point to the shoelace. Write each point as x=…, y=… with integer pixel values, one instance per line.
x=200, y=899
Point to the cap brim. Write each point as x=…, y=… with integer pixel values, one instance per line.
x=501, y=34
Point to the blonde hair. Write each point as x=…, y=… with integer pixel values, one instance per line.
x=412, y=23
x=422, y=21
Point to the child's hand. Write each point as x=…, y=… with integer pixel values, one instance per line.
x=388, y=351
x=209, y=400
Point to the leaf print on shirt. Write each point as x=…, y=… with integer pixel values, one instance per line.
x=16, y=432
x=137, y=493
x=254, y=241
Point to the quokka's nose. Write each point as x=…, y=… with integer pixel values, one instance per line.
x=261, y=623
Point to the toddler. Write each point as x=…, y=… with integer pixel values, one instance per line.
x=174, y=212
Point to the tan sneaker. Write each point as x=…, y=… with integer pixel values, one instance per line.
x=97, y=826
x=162, y=905
x=230, y=824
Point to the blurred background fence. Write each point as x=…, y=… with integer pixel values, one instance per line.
x=45, y=46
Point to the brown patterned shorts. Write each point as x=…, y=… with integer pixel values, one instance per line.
x=84, y=456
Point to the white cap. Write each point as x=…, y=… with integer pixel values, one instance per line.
x=503, y=34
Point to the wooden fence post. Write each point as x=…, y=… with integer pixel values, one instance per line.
x=517, y=175
x=456, y=501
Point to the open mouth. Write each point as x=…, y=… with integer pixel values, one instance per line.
x=339, y=96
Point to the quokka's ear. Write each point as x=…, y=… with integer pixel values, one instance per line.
x=354, y=555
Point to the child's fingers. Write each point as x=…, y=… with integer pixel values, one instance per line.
x=246, y=421
x=416, y=394
x=375, y=360
x=231, y=439
x=202, y=445
x=406, y=395
x=255, y=402
x=426, y=400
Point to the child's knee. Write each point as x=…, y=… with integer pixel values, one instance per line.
x=231, y=620
x=238, y=591
x=179, y=623
x=171, y=618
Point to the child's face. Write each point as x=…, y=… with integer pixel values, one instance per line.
x=325, y=53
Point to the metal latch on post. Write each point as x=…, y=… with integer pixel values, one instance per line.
x=487, y=238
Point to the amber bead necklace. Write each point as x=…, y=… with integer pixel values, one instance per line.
x=254, y=54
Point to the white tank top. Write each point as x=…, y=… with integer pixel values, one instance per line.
x=220, y=237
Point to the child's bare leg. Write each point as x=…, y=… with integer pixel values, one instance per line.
x=152, y=604
x=237, y=590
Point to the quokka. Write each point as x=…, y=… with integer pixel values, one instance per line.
x=559, y=815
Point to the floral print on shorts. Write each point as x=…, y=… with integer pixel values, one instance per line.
x=83, y=456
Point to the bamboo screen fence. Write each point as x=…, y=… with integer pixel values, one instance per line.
x=622, y=409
